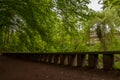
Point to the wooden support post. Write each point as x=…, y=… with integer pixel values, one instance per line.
x=61, y=59
x=49, y=58
x=42, y=57
x=46, y=58
x=31, y=56
x=108, y=61
x=80, y=60
x=17, y=55
x=34, y=57
x=39, y=56
x=72, y=61
x=66, y=59
x=52, y=58
x=25, y=56
x=56, y=58
x=92, y=60
x=58, y=62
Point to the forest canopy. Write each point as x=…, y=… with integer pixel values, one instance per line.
x=58, y=26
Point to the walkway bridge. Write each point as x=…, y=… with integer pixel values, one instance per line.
x=92, y=60
x=69, y=66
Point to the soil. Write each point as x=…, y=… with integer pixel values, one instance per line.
x=16, y=69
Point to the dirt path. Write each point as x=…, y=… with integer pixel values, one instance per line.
x=14, y=69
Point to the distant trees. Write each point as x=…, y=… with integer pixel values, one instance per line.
x=24, y=19
x=54, y=25
x=106, y=23
x=36, y=25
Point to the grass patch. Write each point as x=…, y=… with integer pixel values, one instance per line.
x=117, y=65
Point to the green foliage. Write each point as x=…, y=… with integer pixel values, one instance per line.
x=55, y=25
x=105, y=24
x=110, y=3
x=25, y=18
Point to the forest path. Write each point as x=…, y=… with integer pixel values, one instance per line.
x=15, y=69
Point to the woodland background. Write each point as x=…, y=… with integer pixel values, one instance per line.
x=58, y=26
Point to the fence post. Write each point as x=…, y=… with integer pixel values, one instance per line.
x=92, y=60
x=108, y=61
x=49, y=58
x=72, y=60
x=63, y=59
x=56, y=58
x=52, y=58
x=80, y=59
x=45, y=57
x=40, y=57
x=66, y=56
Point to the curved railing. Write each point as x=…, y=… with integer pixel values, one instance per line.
x=76, y=59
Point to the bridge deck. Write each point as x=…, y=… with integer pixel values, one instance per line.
x=14, y=69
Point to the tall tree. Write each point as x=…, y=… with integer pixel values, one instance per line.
x=30, y=18
x=106, y=23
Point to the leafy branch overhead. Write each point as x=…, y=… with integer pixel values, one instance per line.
x=51, y=25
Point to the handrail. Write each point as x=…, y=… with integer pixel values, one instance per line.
x=91, y=52
x=71, y=58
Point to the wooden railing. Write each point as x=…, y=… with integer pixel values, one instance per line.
x=76, y=59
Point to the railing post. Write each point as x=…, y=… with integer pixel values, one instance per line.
x=108, y=61
x=56, y=58
x=49, y=58
x=45, y=57
x=92, y=60
x=72, y=61
x=80, y=59
x=39, y=56
x=34, y=57
x=61, y=59
x=66, y=59
x=52, y=58
x=30, y=56
x=42, y=58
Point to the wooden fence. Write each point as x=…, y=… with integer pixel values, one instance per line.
x=76, y=59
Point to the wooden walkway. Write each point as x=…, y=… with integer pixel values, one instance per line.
x=15, y=69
